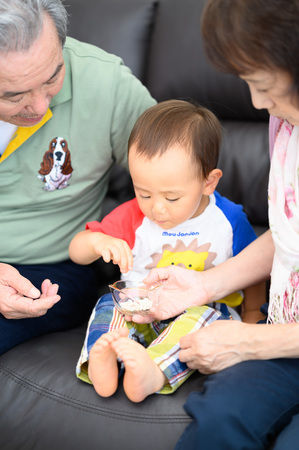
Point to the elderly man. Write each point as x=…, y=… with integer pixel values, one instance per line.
x=66, y=112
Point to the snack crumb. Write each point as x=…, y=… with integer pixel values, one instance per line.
x=137, y=305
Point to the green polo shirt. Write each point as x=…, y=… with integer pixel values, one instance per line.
x=92, y=116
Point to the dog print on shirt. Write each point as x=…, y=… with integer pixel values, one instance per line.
x=56, y=168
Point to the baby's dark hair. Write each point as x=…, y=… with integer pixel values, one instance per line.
x=179, y=122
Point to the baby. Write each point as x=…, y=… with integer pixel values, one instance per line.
x=176, y=218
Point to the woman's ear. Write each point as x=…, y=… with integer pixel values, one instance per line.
x=212, y=181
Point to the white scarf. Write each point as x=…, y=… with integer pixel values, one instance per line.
x=284, y=224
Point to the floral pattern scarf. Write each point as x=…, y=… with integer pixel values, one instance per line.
x=284, y=225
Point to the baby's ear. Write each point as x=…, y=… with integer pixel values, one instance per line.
x=212, y=181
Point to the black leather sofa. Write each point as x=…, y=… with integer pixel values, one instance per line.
x=43, y=406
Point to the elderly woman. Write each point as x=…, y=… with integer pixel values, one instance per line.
x=252, y=393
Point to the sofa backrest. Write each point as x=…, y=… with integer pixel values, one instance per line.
x=120, y=27
x=161, y=42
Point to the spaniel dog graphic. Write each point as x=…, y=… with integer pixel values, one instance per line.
x=56, y=168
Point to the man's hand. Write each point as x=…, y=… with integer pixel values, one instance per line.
x=20, y=299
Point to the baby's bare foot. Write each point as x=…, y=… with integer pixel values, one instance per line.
x=102, y=365
x=142, y=376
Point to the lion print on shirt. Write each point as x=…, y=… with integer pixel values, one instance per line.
x=193, y=257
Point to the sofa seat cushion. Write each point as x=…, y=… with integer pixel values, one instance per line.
x=44, y=406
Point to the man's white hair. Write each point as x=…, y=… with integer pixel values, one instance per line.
x=21, y=22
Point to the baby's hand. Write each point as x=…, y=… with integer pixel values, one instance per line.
x=116, y=250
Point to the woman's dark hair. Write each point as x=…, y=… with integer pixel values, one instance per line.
x=179, y=122
x=241, y=36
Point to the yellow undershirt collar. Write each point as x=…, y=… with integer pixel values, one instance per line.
x=22, y=134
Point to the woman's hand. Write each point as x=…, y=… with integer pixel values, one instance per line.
x=20, y=299
x=227, y=342
x=184, y=288
x=181, y=289
x=217, y=346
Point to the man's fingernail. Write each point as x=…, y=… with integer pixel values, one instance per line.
x=34, y=293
